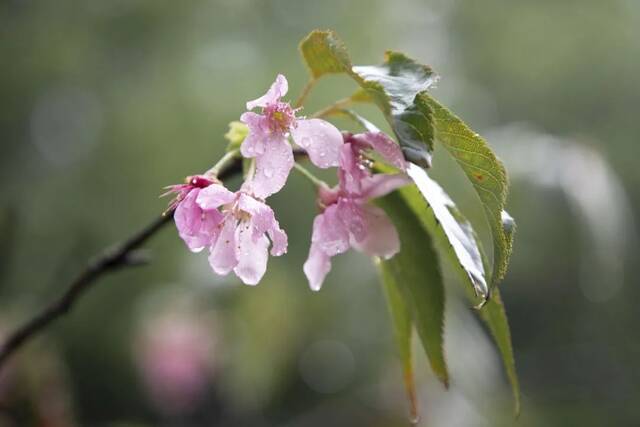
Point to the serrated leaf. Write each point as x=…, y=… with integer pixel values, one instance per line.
x=417, y=272
x=324, y=53
x=493, y=312
x=486, y=173
x=392, y=86
x=439, y=214
x=402, y=327
x=494, y=315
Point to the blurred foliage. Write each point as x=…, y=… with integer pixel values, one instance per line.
x=104, y=103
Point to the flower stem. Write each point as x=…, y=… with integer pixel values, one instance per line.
x=305, y=92
x=223, y=163
x=341, y=103
x=311, y=177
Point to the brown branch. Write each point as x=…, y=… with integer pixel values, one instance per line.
x=123, y=255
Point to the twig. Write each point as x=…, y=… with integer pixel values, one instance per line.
x=305, y=92
x=123, y=255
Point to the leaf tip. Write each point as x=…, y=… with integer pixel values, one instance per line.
x=410, y=387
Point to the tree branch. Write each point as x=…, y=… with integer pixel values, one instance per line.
x=123, y=255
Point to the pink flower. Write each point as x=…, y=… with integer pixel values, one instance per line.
x=197, y=227
x=348, y=220
x=236, y=227
x=354, y=166
x=267, y=139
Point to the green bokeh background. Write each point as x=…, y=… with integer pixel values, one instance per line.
x=104, y=103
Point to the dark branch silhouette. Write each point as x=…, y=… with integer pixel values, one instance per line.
x=123, y=255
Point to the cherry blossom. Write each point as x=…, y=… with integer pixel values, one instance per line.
x=237, y=227
x=268, y=134
x=348, y=220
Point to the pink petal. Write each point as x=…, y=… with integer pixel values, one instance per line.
x=196, y=227
x=351, y=214
x=381, y=184
x=214, y=196
x=254, y=143
x=263, y=221
x=223, y=257
x=330, y=233
x=277, y=90
x=253, y=255
x=320, y=139
x=262, y=216
x=388, y=149
x=381, y=238
x=279, y=240
x=350, y=173
x=316, y=267
x=328, y=196
x=272, y=167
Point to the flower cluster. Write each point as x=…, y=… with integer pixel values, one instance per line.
x=239, y=227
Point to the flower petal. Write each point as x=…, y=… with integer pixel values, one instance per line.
x=388, y=149
x=321, y=139
x=381, y=238
x=352, y=216
x=272, y=167
x=380, y=184
x=278, y=89
x=262, y=216
x=330, y=233
x=224, y=257
x=279, y=240
x=254, y=143
x=253, y=255
x=263, y=220
x=316, y=267
x=196, y=227
x=350, y=173
x=214, y=196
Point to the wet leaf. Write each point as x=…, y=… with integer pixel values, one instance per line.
x=486, y=173
x=392, y=86
x=416, y=271
x=441, y=217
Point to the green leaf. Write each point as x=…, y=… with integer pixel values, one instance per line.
x=440, y=216
x=402, y=326
x=392, y=86
x=442, y=220
x=324, y=53
x=416, y=271
x=493, y=313
x=486, y=173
